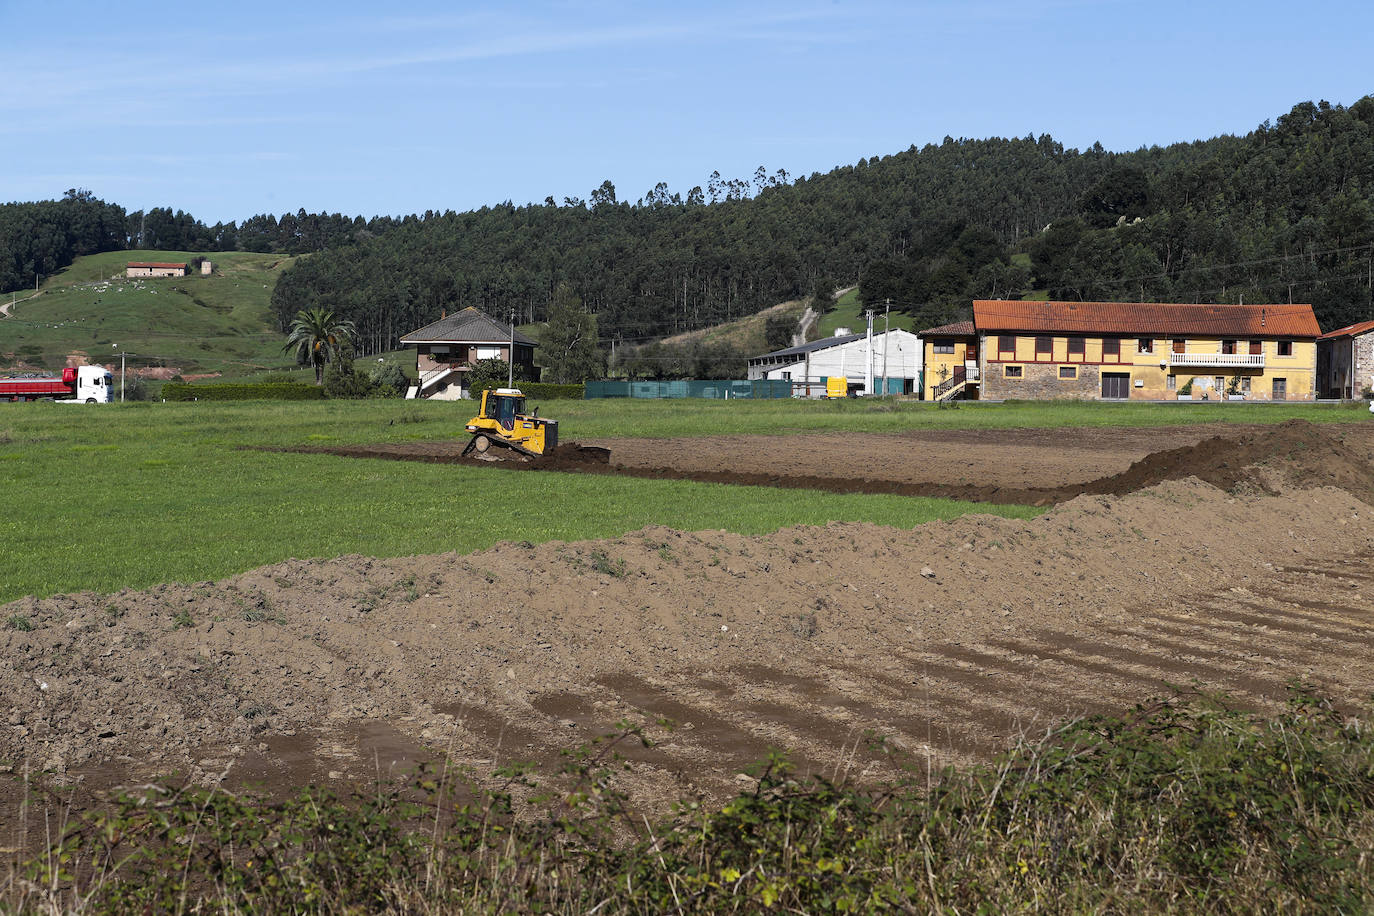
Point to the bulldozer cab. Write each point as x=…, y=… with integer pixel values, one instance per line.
x=503, y=405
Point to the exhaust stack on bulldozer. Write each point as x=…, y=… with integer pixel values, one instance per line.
x=502, y=422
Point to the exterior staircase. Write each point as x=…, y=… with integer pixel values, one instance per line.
x=431, y=385
x=955, y=385
x=949, y=389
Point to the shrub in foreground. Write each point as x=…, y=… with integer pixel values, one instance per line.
x=1180, y=807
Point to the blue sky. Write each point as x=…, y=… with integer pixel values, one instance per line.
x=228, y=110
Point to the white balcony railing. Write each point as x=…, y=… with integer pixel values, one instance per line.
x=1227, y=360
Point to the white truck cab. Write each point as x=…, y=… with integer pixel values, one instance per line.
x=94, y=385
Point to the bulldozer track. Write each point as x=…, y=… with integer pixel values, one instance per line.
x=953, y=703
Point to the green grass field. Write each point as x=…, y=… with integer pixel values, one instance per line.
x=629, y=417
x=136, y=494
x=132, y=495
x=221, y=323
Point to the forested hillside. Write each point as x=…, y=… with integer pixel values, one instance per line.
x=1284, y=213
x=1281, y=214
x=40, y=238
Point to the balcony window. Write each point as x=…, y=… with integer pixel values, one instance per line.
x=1228, y=346
x=1180, y=345
x=1256, y=348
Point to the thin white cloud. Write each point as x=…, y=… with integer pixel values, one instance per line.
x=101, y=78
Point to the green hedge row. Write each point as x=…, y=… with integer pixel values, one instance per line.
x=243, y=391
x=548, y=391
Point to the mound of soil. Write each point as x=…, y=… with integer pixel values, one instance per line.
x=1218, y=572
x=1304, y=453
x=803, y=639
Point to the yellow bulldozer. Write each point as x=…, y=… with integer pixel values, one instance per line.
x=502, y=423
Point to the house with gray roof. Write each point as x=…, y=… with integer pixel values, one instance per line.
x=445, y=351
x=892, y=361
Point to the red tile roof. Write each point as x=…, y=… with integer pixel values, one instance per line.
x=958, y=329
x=1167, y=319
x=1353, y=330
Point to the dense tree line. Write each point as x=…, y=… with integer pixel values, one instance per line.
x=1283, y=214
x=1280, y=214
x=38, y=239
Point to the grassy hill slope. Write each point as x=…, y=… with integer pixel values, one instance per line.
x=849, y=313
x=745, y=333
x=220, y=323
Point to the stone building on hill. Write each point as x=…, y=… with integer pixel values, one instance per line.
x=154, y=269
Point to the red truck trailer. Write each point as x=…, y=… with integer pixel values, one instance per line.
x=76, y=385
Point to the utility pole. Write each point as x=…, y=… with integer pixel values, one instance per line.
x=868, y=368
x=510, y=354
x=887, y=309
x=121, y=372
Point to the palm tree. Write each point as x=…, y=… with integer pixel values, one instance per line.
x=316, y=336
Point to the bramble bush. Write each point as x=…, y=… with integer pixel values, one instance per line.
x=1182, y=806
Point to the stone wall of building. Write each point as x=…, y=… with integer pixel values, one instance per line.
x=1364, y=363
x=1041, y=382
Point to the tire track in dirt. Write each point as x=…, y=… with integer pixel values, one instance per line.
x=961, y=703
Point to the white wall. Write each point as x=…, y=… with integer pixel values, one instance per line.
x=850, y=360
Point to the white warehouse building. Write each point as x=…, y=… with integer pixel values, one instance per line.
x=895, y=364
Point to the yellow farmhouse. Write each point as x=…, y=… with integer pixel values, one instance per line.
x=1123, y=351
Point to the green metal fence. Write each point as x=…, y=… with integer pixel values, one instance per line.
x=724, y=389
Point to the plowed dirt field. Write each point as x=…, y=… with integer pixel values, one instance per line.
x=1238, y=564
